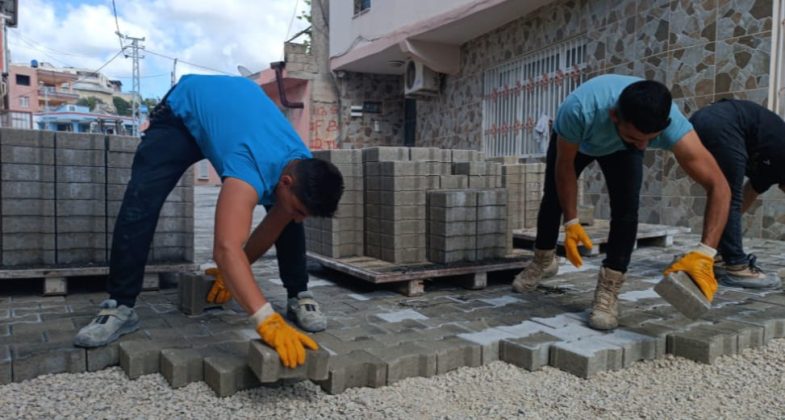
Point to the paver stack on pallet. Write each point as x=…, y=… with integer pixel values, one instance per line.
x=342, y=235
x=60, y=195
x=400, y=225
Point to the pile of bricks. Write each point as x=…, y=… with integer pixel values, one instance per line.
x=392, y=209
x=61, y=195
x=342, y=235
x=467, y=225
x=534, y=184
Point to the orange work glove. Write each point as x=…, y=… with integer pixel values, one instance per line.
x=287, y=341
x=218, y=293
x=573, y=234
x=699, y=265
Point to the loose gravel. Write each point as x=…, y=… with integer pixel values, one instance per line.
x=751, y=385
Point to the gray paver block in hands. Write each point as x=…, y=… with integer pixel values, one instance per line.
x=679, y=290
x=267, y=366
x=406, y=360
x=356, y=369
x=587, y=357
x=192, y=291
x=531, y=352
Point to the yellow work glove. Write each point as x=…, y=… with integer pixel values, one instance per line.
x=699, y=265
x=574, y=234
x=218, y=293
x=286, y=340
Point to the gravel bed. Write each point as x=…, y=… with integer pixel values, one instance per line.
x=751, y=385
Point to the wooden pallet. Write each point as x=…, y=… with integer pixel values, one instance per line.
x=412, y=277
x=56, y=278
x=648, y=235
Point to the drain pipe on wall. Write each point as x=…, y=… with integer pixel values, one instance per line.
x=278, y=66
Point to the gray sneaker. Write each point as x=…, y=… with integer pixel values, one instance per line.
x=304, y=310
x=749, y=275
x=110, y=323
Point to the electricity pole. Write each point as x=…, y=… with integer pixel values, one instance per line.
x=135, y=57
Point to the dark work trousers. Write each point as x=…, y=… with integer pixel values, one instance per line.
x=166, y=151
x=623, y=172
x=725, y=141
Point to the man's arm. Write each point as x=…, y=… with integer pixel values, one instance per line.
x=749, y=195
x=233, y=217
x=701, y=167
x=566, y=180
x=268, y=231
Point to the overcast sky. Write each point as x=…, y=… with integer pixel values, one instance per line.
x=217, y=34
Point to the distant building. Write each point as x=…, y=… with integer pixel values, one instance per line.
x=79, y=119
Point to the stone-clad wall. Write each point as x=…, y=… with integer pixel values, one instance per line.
x=61, y=193
x=360, y=132
x=703, y=50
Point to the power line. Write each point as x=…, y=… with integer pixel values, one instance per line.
x=186, y=62
x=291, y=22
x=117, y=25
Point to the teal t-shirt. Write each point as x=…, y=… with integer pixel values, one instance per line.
x=584, y=119
x=239, y=129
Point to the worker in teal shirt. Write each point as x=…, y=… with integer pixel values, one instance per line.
x=261, y=160
x=613, y=119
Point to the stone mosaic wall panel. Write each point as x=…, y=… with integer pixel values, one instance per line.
x=359, y=132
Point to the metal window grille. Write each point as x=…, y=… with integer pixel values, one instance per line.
x=518, y=94
x=777, y=65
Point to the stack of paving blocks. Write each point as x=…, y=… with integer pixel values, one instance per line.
x=534, y=183
x=480, y=174
x=28, y=197
x=467, y=225
x=61, y=193
x=395, y=207
x=342, y=235
x=514, y=180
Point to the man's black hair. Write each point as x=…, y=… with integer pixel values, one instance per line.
x=319, y=186
x=646, y=105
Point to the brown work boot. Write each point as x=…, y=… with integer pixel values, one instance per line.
x=544, y=265
x=605, y=311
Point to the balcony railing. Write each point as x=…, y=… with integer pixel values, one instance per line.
x=53, y=93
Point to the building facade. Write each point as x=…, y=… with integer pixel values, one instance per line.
x=505, y=65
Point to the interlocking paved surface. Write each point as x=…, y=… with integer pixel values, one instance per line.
x=376, y=336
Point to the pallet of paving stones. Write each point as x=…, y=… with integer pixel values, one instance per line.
x=55, y=279
x=411, y=277
x=648, y=235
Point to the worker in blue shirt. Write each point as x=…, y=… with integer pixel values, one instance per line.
x=612, y=119
x=261, y=160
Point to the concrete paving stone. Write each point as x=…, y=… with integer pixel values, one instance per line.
x=633, y=318
x=27, y=172
x=749, y=336
x=449, y=215
x=335, y=345
x=680, y=291
x=453, y=353
x=587, y=357
x=489, y=342
x=142, y=357
x=193, y=289
x=6, y=374
x=636, y=346
x=26, y=155
x=28, y=190
x=703, y=343
x=449, y=199
x=229, y=373
x=28, y=338
x=32, y=360
x=99, y=358
x=181, y=367
x=356, y=369
x=266, y=364
x=381, y=154
x=530, y=352
x=572, y=332
x=772, y=327
x=406, y=360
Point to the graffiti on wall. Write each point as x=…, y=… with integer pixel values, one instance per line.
x=325, y=128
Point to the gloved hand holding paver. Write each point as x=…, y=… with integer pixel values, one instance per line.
x=699, y=265
x=277, y=333
x=218, y=293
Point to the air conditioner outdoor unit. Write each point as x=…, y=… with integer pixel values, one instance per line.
x=419, y=80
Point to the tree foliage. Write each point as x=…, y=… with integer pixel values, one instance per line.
x=91, y=102
x=122, y=106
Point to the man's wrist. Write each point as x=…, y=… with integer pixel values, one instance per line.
x=261, y=314
x=572, y=222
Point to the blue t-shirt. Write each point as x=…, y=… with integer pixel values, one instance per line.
x=239, y=129
x=584, y=119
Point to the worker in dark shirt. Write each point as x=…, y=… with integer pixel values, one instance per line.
x=748, y=140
